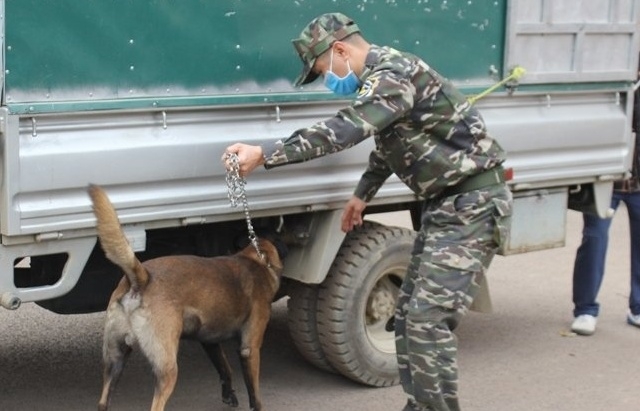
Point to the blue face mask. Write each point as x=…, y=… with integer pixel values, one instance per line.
x=343, y=86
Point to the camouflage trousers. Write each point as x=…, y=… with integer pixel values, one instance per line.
x=458, y=239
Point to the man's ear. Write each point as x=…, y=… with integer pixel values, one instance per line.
x=341, y=50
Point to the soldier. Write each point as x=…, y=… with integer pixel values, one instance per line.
x=435, y=141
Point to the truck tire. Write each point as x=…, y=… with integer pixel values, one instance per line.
x=356, y=303
x=301, y=317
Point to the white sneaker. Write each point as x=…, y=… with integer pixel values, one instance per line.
x=585, y=324
x=633, y=319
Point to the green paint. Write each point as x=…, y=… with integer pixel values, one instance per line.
x=96, y=52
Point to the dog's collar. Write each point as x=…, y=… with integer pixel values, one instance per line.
x=272, y=267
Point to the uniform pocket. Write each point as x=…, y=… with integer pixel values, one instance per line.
x=456, y=257
x=447, y=280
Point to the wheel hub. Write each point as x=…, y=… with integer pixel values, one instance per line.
x=381, y=303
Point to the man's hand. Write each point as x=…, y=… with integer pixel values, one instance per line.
x=249, y=157
x=352, y=214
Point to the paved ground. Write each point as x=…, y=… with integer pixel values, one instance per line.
x=517, y=359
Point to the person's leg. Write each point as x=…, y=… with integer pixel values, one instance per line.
x=632, y=200
x=461, y=235
x=400, y=326
x=588, y=269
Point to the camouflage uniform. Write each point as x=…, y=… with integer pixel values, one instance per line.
x=435, y=141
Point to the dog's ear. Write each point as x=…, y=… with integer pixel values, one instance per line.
x=281, y=247
x=241, y=242
x=278, y=243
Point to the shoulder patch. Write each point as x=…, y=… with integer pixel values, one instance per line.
x=367, y=88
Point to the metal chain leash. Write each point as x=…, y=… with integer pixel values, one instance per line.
x=237, y=192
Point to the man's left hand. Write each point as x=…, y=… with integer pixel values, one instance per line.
x=352, y=213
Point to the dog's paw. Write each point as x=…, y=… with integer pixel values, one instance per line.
x=230, y=399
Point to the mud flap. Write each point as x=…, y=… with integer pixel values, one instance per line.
x=482, y=302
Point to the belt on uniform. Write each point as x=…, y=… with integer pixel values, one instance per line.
x=496, y=175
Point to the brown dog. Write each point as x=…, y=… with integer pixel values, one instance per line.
x=161, y=300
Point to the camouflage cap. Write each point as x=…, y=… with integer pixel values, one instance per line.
x=317, y=38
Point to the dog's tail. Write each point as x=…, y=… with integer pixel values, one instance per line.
x=114, y=242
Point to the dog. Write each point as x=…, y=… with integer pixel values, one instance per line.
x=164, y=299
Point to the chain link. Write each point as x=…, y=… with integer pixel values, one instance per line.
x=236, y=192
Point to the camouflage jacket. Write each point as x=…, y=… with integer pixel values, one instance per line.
x=425, y=130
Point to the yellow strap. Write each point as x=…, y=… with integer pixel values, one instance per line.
x=515, y=74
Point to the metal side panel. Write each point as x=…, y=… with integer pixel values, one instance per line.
x=160, y=166
x=573, y=40
x=165, y=167
x=561, y=139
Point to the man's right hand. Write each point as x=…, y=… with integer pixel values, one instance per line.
x=249, y=157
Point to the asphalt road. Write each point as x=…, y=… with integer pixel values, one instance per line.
x=519, y=358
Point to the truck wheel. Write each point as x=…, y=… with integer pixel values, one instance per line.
x=356, y=303
x=301, y=317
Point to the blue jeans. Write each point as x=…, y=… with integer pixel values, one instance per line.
x=589, y=266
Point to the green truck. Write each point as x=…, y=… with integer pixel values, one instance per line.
x=142, y=97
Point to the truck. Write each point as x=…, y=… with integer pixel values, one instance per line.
x=142, y=98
